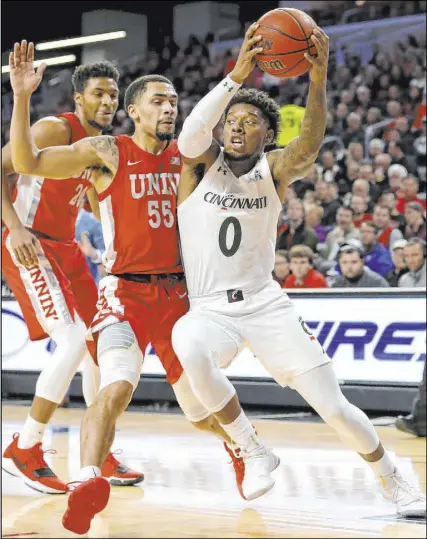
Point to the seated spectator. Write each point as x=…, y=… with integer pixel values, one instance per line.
x=281, y=267
x=307, y=184
x=400, y=267
x=313, y=218
x=382, y=163
x=326, y=194
x=420, y=154
x=295, y=231
x=395, y=174
x=363, y=96
x=409, y=193
x=415, y=221
x=362, y=189
x=376, y=256
x=406, y=137
x=394, y=109
x=360, y=210
x=303, y=273
x=373, y=116
x=329, y=171
x=398, y=157
x=376, y=147
x=354, y=274
x=366, y=172
x=350, y=173
x=341, y=116
x=387, y=234
x=414, y=254
x=354, y=131
x=355, y=153
x=342, y=233
x=389, y=199
x=309, y=198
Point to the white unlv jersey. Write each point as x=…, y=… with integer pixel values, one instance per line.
x=228, y=229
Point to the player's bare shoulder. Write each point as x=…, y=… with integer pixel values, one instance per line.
x=57, y=127
x=193, y=170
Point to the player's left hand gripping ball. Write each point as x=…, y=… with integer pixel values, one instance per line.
x=319, y=63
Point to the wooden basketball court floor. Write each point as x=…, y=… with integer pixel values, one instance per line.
x=322, y=489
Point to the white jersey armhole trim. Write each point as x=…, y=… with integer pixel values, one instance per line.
x=206, y=175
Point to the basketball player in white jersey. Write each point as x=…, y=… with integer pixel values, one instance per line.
x=229, y=203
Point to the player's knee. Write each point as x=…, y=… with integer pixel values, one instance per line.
x=336, y=413
x=189, y=345
x=56, y=376
x=119, y=356
x=114, y=398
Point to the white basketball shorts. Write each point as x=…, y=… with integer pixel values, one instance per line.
x=266, y=322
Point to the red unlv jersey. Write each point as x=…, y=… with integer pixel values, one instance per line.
x=51, y=206
x=138, y=211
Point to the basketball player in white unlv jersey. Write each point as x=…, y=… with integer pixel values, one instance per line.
x=229, y=202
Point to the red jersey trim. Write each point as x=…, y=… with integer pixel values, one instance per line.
x=122, y=164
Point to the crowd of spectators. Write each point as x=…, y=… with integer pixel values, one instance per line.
x=352, y=220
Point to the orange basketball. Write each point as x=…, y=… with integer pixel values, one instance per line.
x=286, y=37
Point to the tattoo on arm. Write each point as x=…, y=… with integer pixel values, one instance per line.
x=303, y=150
x=107, y=150
x=314, y=123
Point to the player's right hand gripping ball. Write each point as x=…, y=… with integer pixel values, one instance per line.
x=286, y=38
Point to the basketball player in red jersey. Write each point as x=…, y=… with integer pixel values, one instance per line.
x=144, y=293
x=49, y=275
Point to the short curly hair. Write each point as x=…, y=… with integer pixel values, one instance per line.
x=96, y=70
x=262, y=101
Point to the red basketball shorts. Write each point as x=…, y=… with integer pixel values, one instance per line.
x=49, y=293
x=151, y=310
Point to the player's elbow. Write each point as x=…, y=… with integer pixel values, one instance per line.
x=22, y=167
x=194, y=138
x=25, y=164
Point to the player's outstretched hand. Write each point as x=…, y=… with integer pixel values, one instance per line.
x=246, y=60
x=319, y=63
x=23, y=77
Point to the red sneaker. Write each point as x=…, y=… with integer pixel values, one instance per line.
x=85, y=501
x=239, y=467
x=119, y=475
x=31, y=466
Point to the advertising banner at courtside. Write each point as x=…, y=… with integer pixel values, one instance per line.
x=370, y=339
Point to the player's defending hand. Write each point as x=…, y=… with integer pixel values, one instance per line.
x=23, y=77
x=319, y=63
x=246, y=60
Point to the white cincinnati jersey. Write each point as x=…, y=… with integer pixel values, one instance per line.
x=228, y=229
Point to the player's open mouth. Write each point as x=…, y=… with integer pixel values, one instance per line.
x=237, y=142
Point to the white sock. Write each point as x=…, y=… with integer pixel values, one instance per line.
x=383, y=467
x=243, y=433
x=89, y=472
x=31, y=434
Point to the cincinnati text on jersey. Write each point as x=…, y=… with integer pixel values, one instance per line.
x=233, y=201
